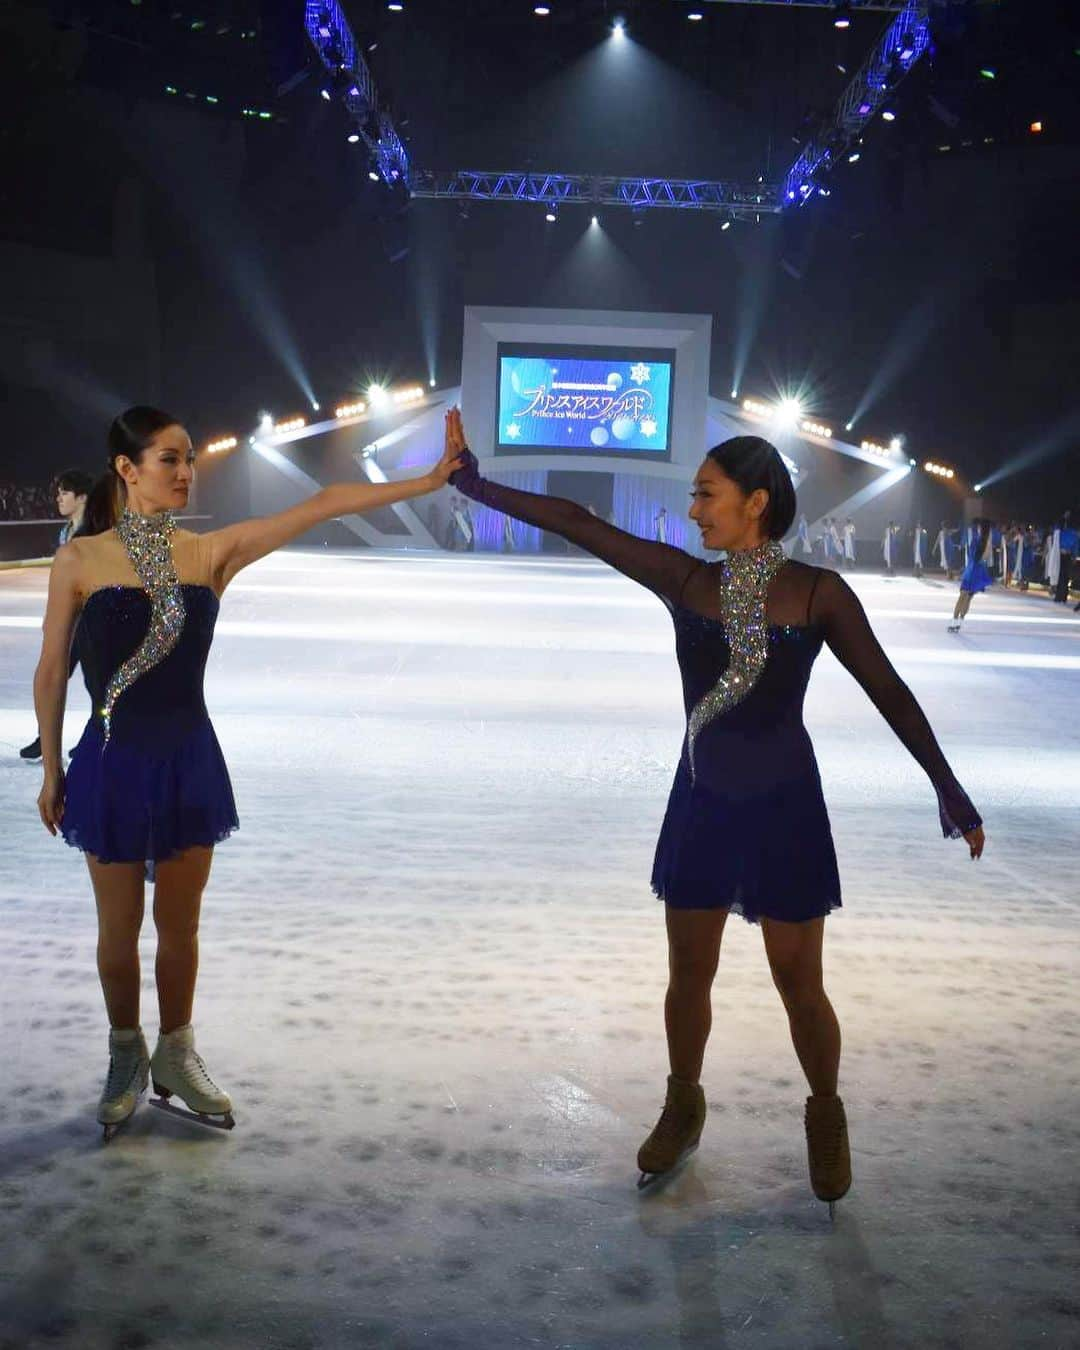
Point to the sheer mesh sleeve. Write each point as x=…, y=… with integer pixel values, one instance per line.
x=849, y=635
x=659, y=567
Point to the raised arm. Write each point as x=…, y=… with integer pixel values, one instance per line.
x=51, y=678
x=848, y=633
x=237, y=546
x=659, y=567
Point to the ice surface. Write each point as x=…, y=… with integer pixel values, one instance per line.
x=432, y=980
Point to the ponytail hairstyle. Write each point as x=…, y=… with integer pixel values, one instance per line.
x=129, y=435
x=754, y=463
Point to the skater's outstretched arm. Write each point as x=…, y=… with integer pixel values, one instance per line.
x=51, y=678
x=237, y=546
x=836, y=607
x=659, y=567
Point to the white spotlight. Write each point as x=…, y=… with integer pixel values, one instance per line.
x=618, y=28
x=315, y=405
x=431, y=382
x=266, y=423
x=596, y=220
x=377, y=396
x=788, y=412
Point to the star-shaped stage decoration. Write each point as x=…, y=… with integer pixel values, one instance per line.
x=648, y=426
x=513, y=431
x=640, y=373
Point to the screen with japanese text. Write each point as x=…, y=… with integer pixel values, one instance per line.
x=584, y=400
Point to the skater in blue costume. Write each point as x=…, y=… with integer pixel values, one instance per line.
x=147, y=783
x=746, y=827
x=976, y=576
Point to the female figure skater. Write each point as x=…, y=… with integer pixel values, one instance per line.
x=746, y=827
x=147, y=782
x=976, y=575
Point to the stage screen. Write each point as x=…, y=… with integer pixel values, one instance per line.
x=584, y=400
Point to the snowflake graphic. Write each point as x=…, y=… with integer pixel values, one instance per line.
x=648, y=426
x=640, y=373
x=513, y=431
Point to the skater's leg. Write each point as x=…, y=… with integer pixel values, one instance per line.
x=794, y=952
x=178, y=890
x=693, y=951
x=119, y=892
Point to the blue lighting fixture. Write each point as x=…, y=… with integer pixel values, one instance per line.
x=352, y=83
x=742, y=200
x=902, y=44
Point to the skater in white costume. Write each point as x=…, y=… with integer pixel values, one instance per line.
x=147, y=784
x=888, y=547
x=919, y=549
x=849, y=543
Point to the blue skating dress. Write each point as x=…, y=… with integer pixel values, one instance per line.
x=976, y=576
x=147, y=778
x=748, y=829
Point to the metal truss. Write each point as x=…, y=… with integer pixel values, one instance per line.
x=330, y=35
x=556, y=189
x=857, y=6
x=892, y=57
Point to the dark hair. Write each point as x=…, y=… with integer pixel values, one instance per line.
x=129, y=435
x=754, y=463
x=75, y=480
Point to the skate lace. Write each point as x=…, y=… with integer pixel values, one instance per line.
x=198, y=1072
x=122, y=1072
x=827, y=1138
x=670, y=1123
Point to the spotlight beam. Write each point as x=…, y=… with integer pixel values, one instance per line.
x=1053, y=441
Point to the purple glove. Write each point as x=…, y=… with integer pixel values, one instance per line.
x=468, y=479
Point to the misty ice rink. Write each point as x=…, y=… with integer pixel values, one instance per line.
x=432, y=980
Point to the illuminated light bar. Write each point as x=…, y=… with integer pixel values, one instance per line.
x=350, y=410
x=293, y=424
x=875, y=449
x=410, y=394
x=816, y=429
x=941, y=470
x=751, y=405
x=225, y=443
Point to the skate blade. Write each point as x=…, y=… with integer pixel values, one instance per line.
x=225, y=1122
x=111, y=1130
x=654, y=1181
